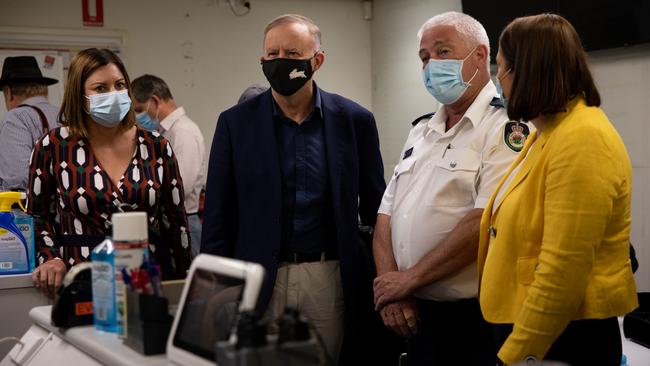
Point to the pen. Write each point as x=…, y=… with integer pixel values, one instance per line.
x=126, y=278
x=446, y=148
x=154, y=275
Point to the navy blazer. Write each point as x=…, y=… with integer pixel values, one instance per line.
x=244, y=188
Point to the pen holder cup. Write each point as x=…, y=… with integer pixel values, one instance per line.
x=147, y=323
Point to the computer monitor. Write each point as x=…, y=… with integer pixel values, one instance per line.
x=215, y=291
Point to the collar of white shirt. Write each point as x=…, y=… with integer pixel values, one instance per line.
x=474, y=113
x=174, y=116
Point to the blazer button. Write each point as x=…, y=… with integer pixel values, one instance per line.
x=531, y=360
x=493, y=231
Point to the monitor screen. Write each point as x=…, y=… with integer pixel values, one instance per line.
x=208, y=313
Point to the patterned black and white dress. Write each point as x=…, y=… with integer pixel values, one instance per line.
x=71, y=196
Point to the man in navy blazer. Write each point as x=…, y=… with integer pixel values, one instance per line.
x=291, y=172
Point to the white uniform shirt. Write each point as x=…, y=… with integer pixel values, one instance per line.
x=187, y=142
x=441, y=176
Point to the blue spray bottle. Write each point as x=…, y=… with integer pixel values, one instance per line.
x=16, y=254
x=103, y=282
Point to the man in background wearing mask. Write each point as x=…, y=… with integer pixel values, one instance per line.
x=157, y=111
x=426, y=237
x=29, y=115
x=291, y=170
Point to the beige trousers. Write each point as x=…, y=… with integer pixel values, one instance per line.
x=314, y=289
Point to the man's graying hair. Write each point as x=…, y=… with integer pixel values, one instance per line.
x=470, y=30
x=147, y=85
x=300, y=19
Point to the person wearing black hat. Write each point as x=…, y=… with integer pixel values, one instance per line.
x=29, y=115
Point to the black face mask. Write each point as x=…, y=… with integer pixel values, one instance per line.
x=287, y=75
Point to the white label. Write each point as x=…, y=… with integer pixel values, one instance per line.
x=101, y=313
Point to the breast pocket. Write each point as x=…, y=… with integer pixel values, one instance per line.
x=403, y=174
x=404, y=168
x=455, y=177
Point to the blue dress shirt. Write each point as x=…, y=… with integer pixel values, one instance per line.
x=307, y=218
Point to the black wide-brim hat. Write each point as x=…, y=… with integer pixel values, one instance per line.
x=23, y=69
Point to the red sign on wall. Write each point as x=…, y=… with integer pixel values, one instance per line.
x=93, y=13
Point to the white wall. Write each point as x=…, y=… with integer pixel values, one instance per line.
x=623, y=77
x=399, y=95
x=206, y=54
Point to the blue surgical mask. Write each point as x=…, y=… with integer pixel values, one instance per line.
x=145, y=121
x=497, y=82
x=444, y=79
x=500, y=91
x=109, y=109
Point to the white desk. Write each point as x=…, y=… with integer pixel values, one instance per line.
x=78, y=346
x=17, y=292
x=637, y=355
x=86, y=346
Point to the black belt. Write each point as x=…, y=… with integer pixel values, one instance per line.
x=90, y=241
x=297, y=257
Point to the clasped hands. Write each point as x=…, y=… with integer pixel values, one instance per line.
x=395, y=303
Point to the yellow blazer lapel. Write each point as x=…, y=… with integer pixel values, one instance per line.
x=522, y=173
x=487, y=218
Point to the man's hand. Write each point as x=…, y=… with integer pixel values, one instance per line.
x=401, y=317
x=49, y=275
x=392, y=286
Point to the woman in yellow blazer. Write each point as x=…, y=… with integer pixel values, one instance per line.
x=553, y=256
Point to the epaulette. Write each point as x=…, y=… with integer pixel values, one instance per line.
x=497, y=102
x=426, y=116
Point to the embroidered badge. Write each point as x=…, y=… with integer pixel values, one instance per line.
x=515, y=134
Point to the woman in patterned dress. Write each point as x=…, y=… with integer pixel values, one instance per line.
x=99, y=163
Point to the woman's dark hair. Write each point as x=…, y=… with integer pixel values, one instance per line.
x=549, y=66
x=83, y=64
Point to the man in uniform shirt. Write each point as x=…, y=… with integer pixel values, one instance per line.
x=157, y=111
x=29, y=115
x=427, y=229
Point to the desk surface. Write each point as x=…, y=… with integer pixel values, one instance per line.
x=108, y=349
x=637, y=355
x=105, y=347
x=16, y=281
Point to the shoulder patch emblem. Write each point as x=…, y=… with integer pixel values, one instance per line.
x=515, y=134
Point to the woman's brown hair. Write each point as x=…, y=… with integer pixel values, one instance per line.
x=73, y=109
x=545, y=54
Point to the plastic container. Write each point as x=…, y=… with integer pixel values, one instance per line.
x=16, y=254
x=25, y=224
x=130, y=238
x=148, y=323
x=103, y=283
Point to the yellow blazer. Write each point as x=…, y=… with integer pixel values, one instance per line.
x=559, y=248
